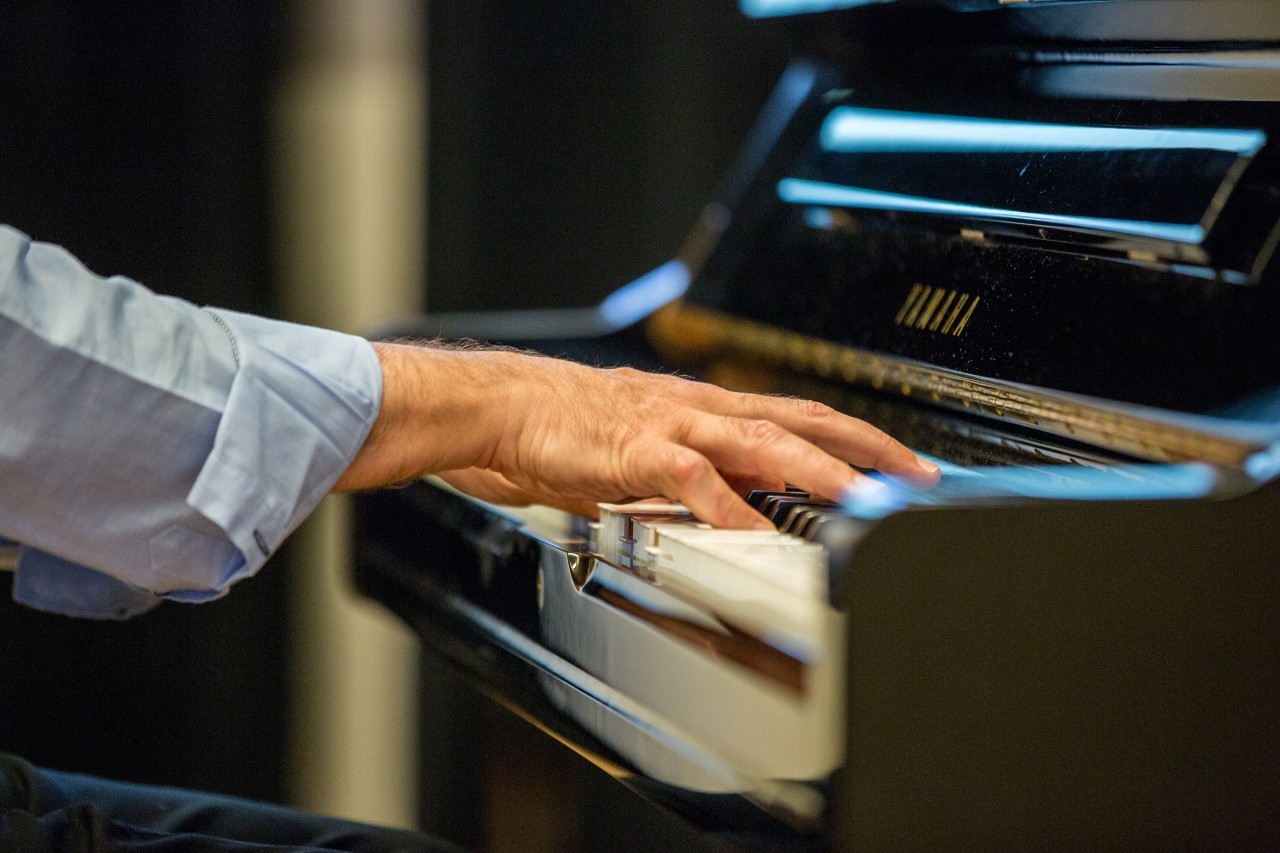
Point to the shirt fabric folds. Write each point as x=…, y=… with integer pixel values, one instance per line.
x=152, y=449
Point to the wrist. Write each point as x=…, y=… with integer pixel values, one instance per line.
x=441, y=409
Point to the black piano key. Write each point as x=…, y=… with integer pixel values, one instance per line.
x=757, y=497
x=800, y=520
x=791, y=515
x=769, y=505
x=775, y=508
x=809, y=530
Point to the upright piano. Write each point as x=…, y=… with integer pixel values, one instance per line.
x=1036, y=241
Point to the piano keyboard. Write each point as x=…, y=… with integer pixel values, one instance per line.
x=770, y=583
x=779, y=583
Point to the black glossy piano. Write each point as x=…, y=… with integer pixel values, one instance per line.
x=1036, y=241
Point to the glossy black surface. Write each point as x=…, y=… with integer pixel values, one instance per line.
x=1021, y=673
x=1069, y=675
x=1102, y=308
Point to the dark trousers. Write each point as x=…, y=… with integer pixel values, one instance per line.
x=45, y=811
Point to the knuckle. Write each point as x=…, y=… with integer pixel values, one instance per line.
x=686, y=466
x=761, y=432
x=679, y=422
x=814, y=410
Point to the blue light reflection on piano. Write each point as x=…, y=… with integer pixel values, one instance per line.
x=776, y=8
x=858, y=129
x=1264, y=465
x=961, y=486
x=637, y=300
x=801, y=191
x=848, y=133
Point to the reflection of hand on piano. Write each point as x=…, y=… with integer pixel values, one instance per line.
x=517, y=428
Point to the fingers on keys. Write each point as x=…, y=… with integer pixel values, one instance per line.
x=688, y=469
x=845, y=437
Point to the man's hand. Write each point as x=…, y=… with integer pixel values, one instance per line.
x=515, y=428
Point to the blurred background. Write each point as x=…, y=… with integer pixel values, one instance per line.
x=339, y=162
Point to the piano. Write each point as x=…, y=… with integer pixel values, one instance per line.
x=1036, y=241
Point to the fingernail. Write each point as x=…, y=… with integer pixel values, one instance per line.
x=763, y=525
x=926, y=466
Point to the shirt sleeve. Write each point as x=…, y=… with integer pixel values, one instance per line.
x=152, y=449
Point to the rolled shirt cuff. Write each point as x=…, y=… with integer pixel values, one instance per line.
x=299, y=410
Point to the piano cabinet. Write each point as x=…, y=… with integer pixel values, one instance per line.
x=1094, y=674
x=1035, y=241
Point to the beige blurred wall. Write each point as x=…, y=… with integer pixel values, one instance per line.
x=349, y=162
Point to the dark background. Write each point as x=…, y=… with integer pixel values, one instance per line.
x=136, y=137
x=571, y=145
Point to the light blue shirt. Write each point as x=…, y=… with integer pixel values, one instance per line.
x=151, y=449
